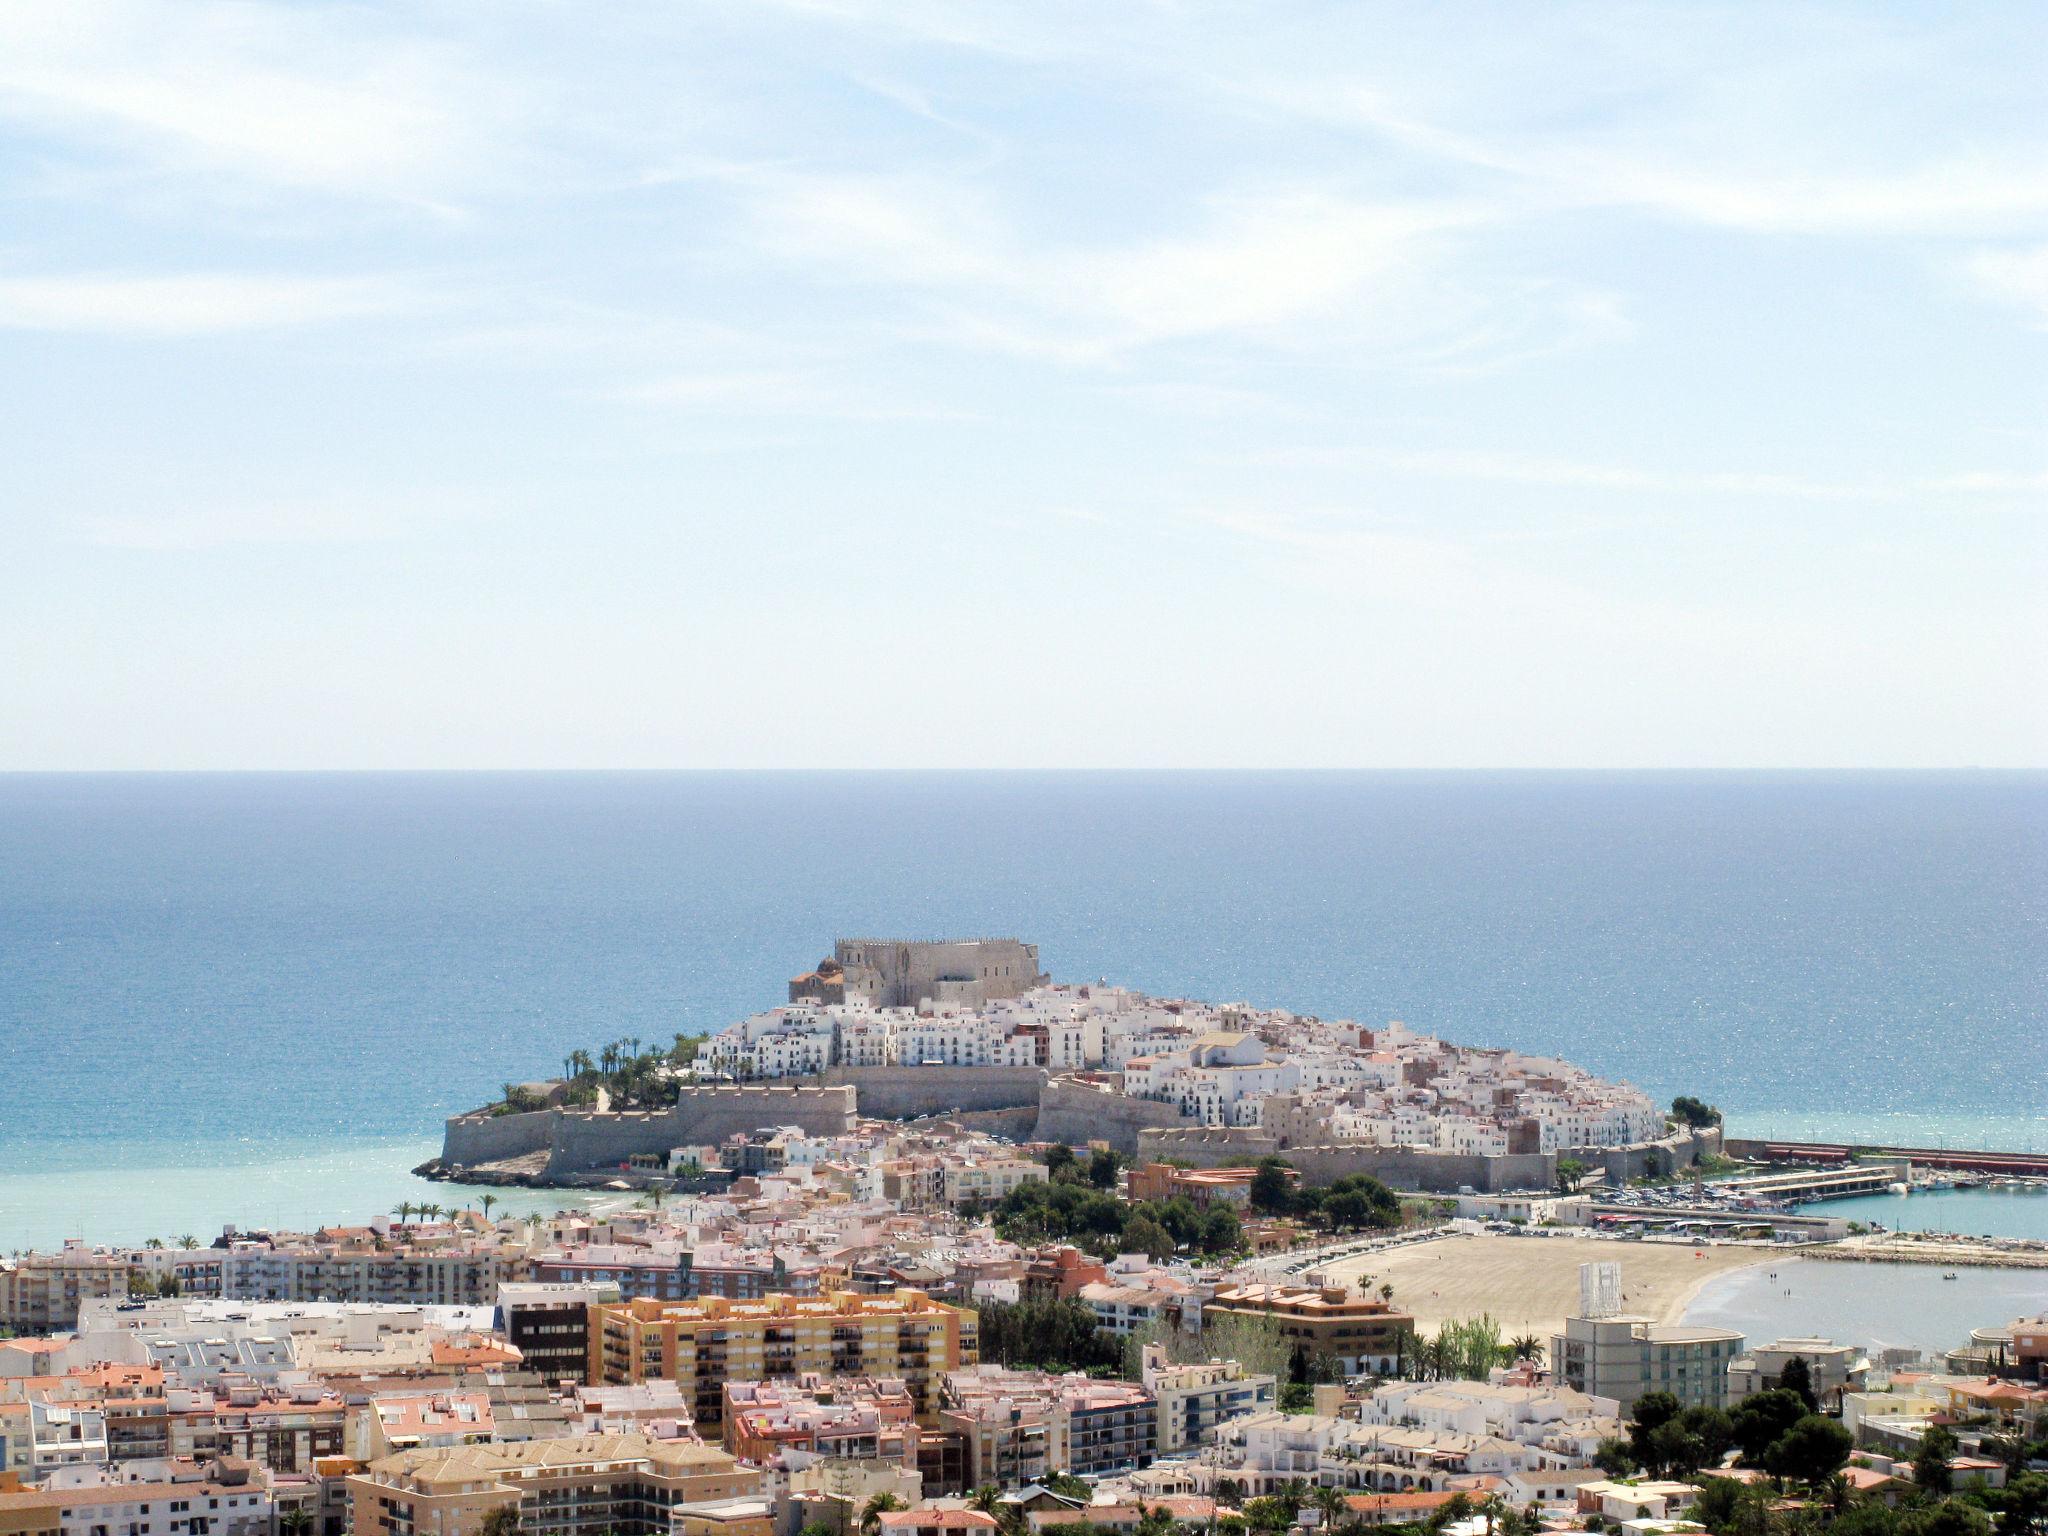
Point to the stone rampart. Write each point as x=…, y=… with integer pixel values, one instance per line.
x=1077, y=1112
x=1411, y=1169
x=577, y=1140
x=474, y=1139
x=911, y=1093
x=1018, y=1124
x=1650, y=1159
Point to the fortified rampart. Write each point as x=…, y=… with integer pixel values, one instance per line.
x=912, y=1093
x=1020, y=1102
x=578, y=1140
x=1077, y=1112
x=1650, y=1159
x=1403, y=1168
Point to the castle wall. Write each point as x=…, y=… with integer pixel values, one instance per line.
x=1018, y=1124
x=1077, y=1113
x=966, y=971
x=473, y=1139
x=578, y=1140
x=1402, y=1168
x=910, y=1093
x=1651, y=1159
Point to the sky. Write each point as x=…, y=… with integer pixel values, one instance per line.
x=825, y=383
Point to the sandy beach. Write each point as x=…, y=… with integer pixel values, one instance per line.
x=1531, y=1283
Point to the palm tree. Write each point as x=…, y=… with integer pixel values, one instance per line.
x=1527, y=1347
x=154, y=1242
x=986, y=1498
x=295, y=1521
x=487, y=1202
x=1387, y=1290
x=403, y=1211
x=1329, y=1502
x=878, y=1506
x=188, y=1241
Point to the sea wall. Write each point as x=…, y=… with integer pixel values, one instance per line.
x=911, y=1093
x=1077, y=1112
x=577, y=1140
x=1650, y=1159
x=472, y=1139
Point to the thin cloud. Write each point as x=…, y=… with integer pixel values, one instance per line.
x=190, y=304
x=286, y=97
x=2013, y=277
x=304, y=521
x=1518, y=469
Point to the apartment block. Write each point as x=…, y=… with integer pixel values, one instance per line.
x=41, y=1293
x=701, y=1344
x=589, y=1485
x=1362, y=1334
x=1624, y=1358
x=1194, y=1399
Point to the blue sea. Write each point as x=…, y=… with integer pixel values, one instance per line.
x=253, y=998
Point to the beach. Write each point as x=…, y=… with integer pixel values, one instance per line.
x=1530, y=1284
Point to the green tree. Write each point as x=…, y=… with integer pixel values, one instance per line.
x=1220, y=1234
x=1146, y=1236
x=1059, y=1159
x=1930, y=1461
x=1810, y=1452
x=1948, y=1517
x=1457, y=1507
x=1270, y=1187
x=1615, y=1458
x=871, y=1514
x=1696, y=1113
x=1760, y=1419
x=1569, y=1171
x=1675, y=1450
x=1103, y=1167
x=2024, y=1506
x=1797, y=1378
x=502, y=1521
x=1653, y=1410
x=1715, y=1429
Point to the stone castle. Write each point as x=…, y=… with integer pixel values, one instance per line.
x=914, y=973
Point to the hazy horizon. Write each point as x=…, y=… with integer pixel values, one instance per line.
x=840, y=384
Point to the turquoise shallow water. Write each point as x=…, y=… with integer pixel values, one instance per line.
x=255, y=996
x=2013, y=1212
x=1907, y=1306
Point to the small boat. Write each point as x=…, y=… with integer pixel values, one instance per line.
x=1896, y=1189
x=1949, y=1275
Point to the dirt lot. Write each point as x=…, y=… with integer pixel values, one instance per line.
x=1531, y=1283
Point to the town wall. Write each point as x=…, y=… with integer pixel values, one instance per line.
x=480, y=1138
x=1077, y=1112
x=1402, y=1168
x=1018, y=1124
x=911, y=1093
x=1651, y=1159
x=577, y=1140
